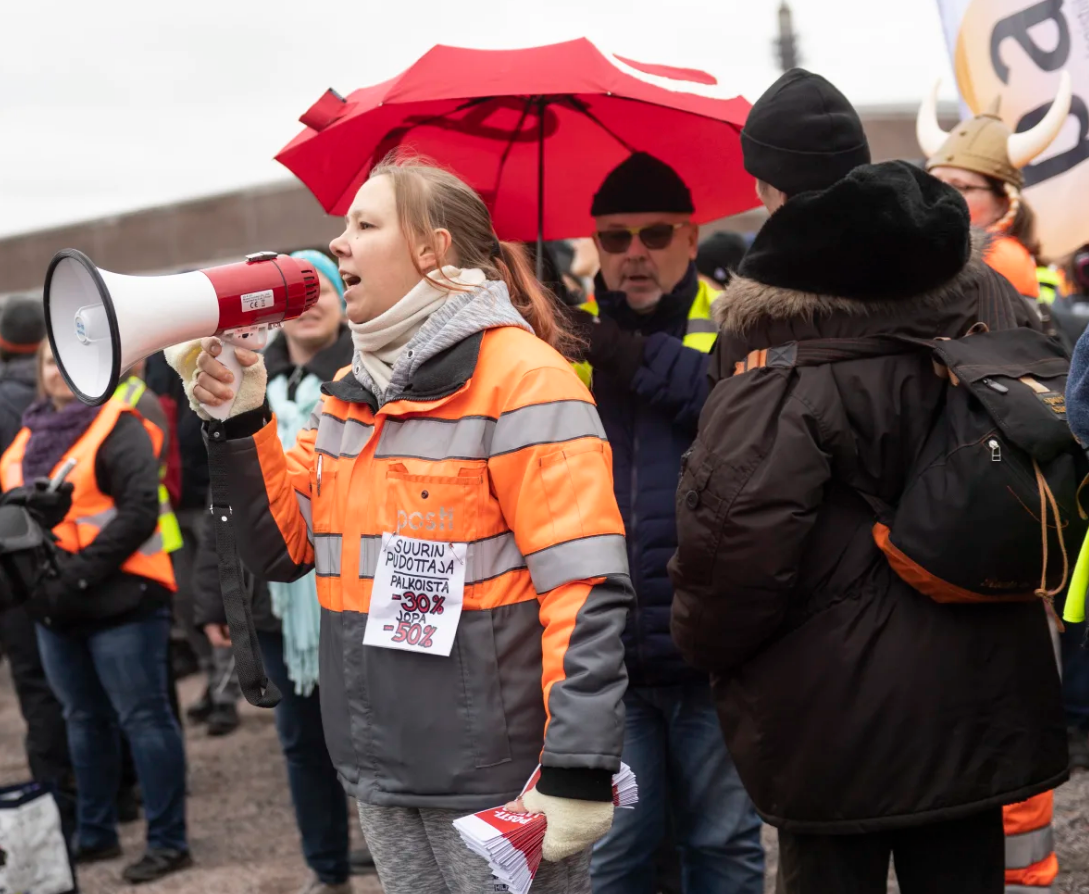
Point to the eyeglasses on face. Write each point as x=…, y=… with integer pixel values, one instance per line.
x=654, y=237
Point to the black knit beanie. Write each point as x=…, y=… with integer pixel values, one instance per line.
x=642, y=183
x=22, y=326
x=803, y=135
x=720, y=255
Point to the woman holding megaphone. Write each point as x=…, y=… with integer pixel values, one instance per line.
x=104, y=617
x=453, y=493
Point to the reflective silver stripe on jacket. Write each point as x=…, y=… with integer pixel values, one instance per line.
x=98, y=519
x=150, y=547
x=1027, y=889
x=307, y=513
x=485, y=559
x=466, y=438
x=698, y=325
x=327, y=555
x=481, y=437
x=577, y=560
x=548, y=423
x=339, y=437
x=1029, y=848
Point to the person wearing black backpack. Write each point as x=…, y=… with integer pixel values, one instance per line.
x=867, y=720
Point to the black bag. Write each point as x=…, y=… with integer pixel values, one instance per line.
x=990, y=510
x=27, y=555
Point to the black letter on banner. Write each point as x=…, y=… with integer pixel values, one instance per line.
x=1058, y=164
x=1017, y=26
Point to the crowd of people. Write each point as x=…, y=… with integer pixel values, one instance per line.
x=662, y=525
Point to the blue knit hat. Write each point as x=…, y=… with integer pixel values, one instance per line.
x=326, y=267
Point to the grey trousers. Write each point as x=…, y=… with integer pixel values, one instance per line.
x=418, y=851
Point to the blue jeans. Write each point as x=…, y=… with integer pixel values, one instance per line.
x=119, y=675
x=321, y=807
x=673, y=742
x=1075, y=677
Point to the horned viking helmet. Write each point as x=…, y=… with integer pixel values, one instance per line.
x=985, y=144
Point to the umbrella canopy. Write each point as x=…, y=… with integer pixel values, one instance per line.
x=534, y=131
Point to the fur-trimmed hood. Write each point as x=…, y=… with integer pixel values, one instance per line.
x=888, y=240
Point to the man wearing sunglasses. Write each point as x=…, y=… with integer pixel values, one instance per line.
x=649, y=333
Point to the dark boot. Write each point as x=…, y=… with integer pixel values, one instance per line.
x=97, y=854
x=156, y=864
x=223, y=720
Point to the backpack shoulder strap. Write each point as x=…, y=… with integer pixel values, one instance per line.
x=820, y=351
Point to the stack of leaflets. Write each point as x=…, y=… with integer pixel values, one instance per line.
x=511, y=842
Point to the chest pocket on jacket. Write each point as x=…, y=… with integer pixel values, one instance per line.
x=434, y=507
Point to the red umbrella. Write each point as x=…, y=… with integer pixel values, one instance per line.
x=534, y=130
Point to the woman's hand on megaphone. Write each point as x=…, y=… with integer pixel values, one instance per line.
x=215, y=383
x=211, y=386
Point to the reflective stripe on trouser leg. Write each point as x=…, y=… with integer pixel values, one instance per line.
x=1029, y=848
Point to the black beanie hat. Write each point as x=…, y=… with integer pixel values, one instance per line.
x=803, y=135
x=720, y=255
x=642, y=183
x=22, y=325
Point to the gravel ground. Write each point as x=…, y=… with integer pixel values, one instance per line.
x=242, y=828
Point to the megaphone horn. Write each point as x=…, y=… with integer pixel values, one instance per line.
x=100, y=323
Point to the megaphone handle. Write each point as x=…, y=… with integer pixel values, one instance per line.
x=229, y=360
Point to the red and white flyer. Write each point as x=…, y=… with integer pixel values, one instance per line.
x=511, y=842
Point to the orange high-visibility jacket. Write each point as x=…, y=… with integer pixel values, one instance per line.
x=1010, y=258
x=91, y=509
x=495, y=443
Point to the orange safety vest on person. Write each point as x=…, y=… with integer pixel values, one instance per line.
x=1010, y=258
x=91, y=509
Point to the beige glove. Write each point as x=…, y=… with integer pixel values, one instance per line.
x=572, y=825
x=249, y=393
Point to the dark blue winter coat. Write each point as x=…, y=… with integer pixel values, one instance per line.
x=650, y=419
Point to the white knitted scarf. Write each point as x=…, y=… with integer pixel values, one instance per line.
x=379, y=342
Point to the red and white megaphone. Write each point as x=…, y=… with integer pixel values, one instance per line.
x=101, y=323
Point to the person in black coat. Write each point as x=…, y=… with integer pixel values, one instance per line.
x=103, y=620
x=866, y=719
x=650, y=382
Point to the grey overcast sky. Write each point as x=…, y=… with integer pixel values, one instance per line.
x=110, y=106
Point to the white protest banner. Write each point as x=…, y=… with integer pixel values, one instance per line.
x=1016, y=49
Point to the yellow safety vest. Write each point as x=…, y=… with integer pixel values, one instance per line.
x=1050, y=284
x=130, y=391
x=700, y=334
